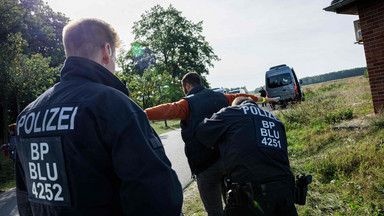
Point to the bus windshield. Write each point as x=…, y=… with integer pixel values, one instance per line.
x=279, y=80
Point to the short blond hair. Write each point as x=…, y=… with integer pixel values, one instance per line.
x=85, y=37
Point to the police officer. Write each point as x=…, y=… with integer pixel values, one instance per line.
x=263, y=93
x=253, y=148
x=84, y=147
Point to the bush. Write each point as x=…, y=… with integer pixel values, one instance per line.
x=339, y=115
x=331, y=87
x=326, y=169
x=7, y=173
x=377, y=122
x=309, y=94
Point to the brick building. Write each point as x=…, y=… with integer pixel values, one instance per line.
x=371, y=16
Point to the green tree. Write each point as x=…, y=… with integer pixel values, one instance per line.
x=30, y=77
x=29, y=33
x=144, y=89
x=21, y=76
x=40, y=26
x=9, y=50
x=176, y=43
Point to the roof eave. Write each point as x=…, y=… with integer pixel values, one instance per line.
x=345, y=7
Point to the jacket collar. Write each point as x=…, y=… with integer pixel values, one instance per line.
x=78, y=68
x=196, y=89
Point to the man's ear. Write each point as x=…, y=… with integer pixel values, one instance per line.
x=110, y=51
x=188, y=86
x=107, y=53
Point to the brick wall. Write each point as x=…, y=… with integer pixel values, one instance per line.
x=371, y=15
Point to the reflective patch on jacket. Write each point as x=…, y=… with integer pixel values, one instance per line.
x=44, y=168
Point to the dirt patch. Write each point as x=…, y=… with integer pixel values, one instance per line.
x=353, y=124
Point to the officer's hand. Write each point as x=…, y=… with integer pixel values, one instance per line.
x=273, y=100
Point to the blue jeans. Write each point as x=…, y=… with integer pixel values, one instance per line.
x=210, y=184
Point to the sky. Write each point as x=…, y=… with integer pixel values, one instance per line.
x=249, y=36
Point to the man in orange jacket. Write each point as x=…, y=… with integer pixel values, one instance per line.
x=198, y=104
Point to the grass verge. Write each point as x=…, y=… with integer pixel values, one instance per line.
x=346, y=164
x=7, y=173
x=160, y=127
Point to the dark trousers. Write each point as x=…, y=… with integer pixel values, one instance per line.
x=210, y=184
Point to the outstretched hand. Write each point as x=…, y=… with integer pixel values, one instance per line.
x=271, y=100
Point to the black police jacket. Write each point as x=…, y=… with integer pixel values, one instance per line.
x=252, y=143
x=202, y=103
x=85, y=148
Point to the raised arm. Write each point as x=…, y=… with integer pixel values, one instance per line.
x=231, y=97
x=178, y=110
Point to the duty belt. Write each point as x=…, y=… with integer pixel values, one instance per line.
x=235, y=191
x=263, y=188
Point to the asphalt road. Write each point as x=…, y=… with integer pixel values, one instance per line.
x=8, y=203
x=174, y=148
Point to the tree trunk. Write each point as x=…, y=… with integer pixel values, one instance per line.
x=18, y=105
x=4, y=123
x=1, y=125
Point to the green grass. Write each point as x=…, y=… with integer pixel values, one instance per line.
x=160, y=127
x=7, y=175
x=346, y=165
x=192, y=204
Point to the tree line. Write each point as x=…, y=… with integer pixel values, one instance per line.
x=334, y=75
x=166, y=46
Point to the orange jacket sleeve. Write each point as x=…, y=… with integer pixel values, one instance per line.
x=180, y=110
x=231, y=97
x=177, y=110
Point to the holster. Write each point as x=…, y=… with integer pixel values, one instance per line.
x=241, y=193
x=301, y=189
